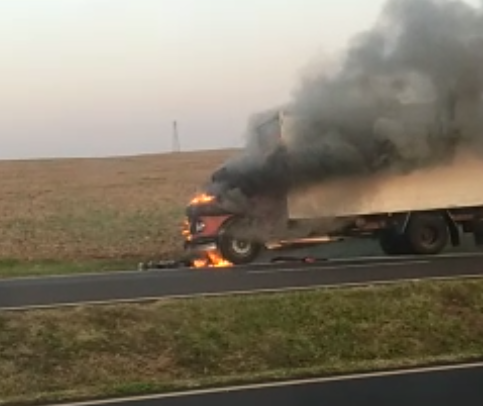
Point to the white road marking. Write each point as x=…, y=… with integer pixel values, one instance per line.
x=353, y=266
x=80, y=274
x=287, y=289
x=86, y=275
x=298, y=382
x=409, y=257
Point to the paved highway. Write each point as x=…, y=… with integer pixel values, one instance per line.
x=135, y=286
x=446, y=386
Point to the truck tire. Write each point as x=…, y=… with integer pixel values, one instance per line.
x=427, y=234
x=393, y=243
x=237, y=251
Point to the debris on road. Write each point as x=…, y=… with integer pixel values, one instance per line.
x=307, y=260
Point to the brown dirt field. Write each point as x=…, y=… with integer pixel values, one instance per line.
x=110, y=208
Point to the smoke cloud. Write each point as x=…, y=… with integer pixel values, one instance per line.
x=407, y=94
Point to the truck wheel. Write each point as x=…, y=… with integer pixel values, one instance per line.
x=393, y=243
x=237, y=251
x=427, y=234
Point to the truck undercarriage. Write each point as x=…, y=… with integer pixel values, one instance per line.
x=405, y=233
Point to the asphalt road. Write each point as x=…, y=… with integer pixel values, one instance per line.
x=136, y=285
x=448, y=386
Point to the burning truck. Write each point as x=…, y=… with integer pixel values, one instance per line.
x=387, y=144
x=258, y=203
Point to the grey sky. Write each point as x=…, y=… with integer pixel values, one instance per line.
x=107, y=77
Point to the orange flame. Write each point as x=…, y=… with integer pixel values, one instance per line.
x=213, y=259
x=202, y=199
x=185, y=232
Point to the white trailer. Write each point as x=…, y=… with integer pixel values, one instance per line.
x=418, y=212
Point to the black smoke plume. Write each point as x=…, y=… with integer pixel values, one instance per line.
x=406, y=94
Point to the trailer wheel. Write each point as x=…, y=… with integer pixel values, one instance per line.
x=234, y=249
x=393, y=243
x=427, y=234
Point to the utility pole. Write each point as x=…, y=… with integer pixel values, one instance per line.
x=176, y=143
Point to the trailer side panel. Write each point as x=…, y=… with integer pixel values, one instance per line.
x=455, y=185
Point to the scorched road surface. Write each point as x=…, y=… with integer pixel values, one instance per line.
x=137, y=286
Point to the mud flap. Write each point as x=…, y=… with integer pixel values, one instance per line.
x=478, y=232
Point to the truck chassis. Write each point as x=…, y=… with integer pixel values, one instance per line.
x=405, y=233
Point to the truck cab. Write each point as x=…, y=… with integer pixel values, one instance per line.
x=237, y=221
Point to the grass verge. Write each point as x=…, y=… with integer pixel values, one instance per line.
x=89, y=352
